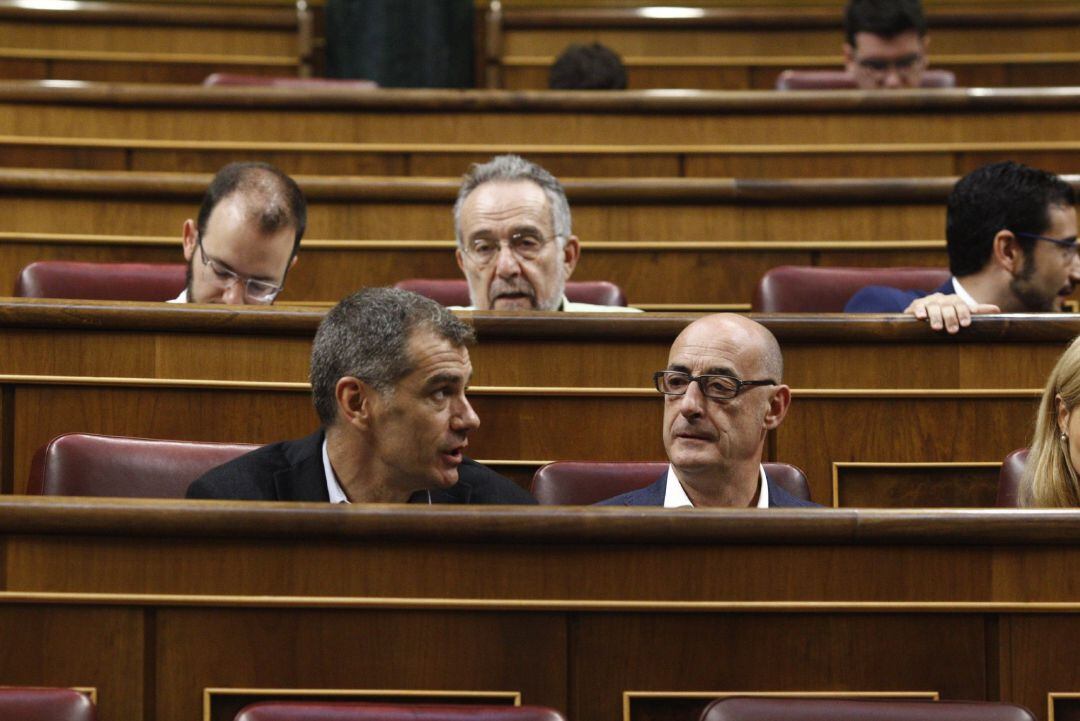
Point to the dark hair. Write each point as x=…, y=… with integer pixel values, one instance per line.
x=587, y=67
x=366, y=336
x=994, y=198
x=282, y=204
x=887, y=18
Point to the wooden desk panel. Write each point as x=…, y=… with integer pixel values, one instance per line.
x=138, y=42
x=82, y=203
x=266, y=596
x=857, y=395
x=457, y=117
x=650, y=273
x=803, y=160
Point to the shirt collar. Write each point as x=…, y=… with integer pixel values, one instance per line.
x=675, y=495
x=337, y=495
x=964, y=295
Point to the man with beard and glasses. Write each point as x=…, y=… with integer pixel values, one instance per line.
x=515, y=245
x=1011, y=237
x=246, y=237
x=723, y=392
x=389, y=370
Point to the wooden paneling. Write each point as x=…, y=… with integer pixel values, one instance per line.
x=135, y=42
x=760, y=73
x=127, y=370
x=806, y=160
x=649, y=273
x=84, y=646
x=374, y=650
x=661, y=209
x=741, y=49
x=916, y=485
x=515, y=118
x=155, y=603
x=778, y=652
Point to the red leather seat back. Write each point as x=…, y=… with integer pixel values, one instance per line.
x=797, y=709
x=815, y=289
x=270, y=81
x=101, y=281
x=316, y=711
x=85, y=464
x=582, y=483
x=840, y=80
x=454, y=291
x=1012, y=471
x=44, y=704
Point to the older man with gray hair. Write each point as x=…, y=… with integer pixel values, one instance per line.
x=389, y=370
x=515, y=244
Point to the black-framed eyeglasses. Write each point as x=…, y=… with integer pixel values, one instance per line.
x=1069, y=244
x=718, y=387
x=257, y=291
x=524, y=245
x=901, y=65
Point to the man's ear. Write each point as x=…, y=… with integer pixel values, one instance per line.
x=571, y=252
x=354, y=401
x=1006, y=252
x=778, y=407
x=460, y=259
x=1062, y=414
x=191, y=236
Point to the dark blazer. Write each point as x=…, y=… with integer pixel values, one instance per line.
x=293, y=471
x=883, y=299
x=653, y=495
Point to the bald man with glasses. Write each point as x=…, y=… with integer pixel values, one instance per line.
x=723, y=392
x=246, y=237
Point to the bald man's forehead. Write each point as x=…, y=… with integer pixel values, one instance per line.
x=718, y=347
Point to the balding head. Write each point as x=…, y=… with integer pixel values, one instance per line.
x=714, y=429
x=747, y=339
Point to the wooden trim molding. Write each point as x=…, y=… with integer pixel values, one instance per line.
x=1054, y=696
x=517, y=604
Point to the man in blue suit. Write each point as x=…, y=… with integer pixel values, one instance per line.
x=1011, y=236
x=723, y=393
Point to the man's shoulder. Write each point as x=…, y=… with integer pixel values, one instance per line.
x=485, y=486
x=251, y=476
x=886, y=299
x=650, y=495
x=781, y=498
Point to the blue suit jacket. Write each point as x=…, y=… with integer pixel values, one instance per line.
x=883, y=299
x=653, y=495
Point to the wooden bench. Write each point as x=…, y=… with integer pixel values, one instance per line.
x=805, y=159
x=653, y=236
x=151, y=42
x=744, y=48
x=430, y=117
x=628, y=608
x=885, y=411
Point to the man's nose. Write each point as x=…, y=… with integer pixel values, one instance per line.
x=234, y=293
x=1074, y=269
x=893, y=79
x=692, y=403
x=466, y=420
x=507, y=264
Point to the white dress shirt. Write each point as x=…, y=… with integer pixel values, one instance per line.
x=182, y=298
x=337, y=495
x=964, y=295
x=675, y=495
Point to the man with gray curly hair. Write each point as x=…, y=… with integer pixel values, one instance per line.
x=515, y=244
x=389, y=370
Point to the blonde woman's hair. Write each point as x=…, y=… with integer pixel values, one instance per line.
x=1049, y=478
